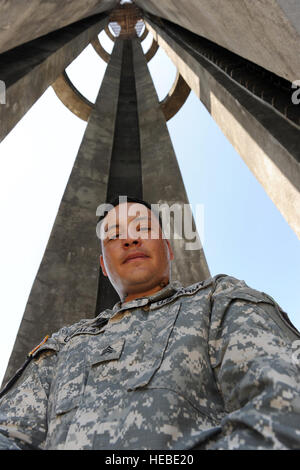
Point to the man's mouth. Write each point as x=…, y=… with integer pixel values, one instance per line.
x=134, y=257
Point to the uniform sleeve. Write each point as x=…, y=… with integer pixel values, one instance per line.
x=23, y=409
x=251, y=346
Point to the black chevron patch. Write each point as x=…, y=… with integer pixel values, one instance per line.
x=107, y=350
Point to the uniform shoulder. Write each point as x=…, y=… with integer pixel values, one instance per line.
x=59, y=338
x=220, y=283
x=66, y=331
x=48, y=347
x=56, y=340
x=225, y=281
x=228, y=289
x=229, y=286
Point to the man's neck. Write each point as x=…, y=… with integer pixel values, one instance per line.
x=146, y=293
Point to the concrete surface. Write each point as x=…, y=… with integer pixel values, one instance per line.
x=263, y=31
x=24, y=20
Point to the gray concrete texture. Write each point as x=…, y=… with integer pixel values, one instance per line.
x=22, y=21
x=266, y=32
x=267, y=142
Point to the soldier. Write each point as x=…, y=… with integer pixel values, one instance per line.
x=209, y=366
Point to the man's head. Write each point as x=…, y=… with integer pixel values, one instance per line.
x=135, y=255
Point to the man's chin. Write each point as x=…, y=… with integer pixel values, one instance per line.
x=141, y=281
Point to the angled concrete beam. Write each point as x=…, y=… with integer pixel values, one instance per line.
x=72, y=98
x=28, y=70
x=257, y=117
x=23, y=21
x=264, y=32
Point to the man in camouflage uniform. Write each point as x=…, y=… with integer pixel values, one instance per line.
x=209, y=366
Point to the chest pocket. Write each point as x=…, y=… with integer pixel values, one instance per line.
x=74, y=373
x=155, y=350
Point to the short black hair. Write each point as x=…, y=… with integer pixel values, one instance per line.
x=118, y=200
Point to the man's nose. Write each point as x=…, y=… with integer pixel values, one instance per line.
x=131, y=242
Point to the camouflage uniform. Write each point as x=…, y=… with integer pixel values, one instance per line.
x=204, y=367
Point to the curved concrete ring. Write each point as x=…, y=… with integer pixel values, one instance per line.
x=176, y=97
x=71, y=97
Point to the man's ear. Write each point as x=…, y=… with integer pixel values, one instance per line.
x=170, y=250
x=103, y=266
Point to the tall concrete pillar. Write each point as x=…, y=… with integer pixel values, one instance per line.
x=144, y=163
x=126, y=150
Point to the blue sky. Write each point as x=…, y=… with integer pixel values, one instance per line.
x=244, y=234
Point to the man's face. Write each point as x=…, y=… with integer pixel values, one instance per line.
x=135, y=256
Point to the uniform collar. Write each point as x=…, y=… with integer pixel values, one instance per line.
x=164, y=293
